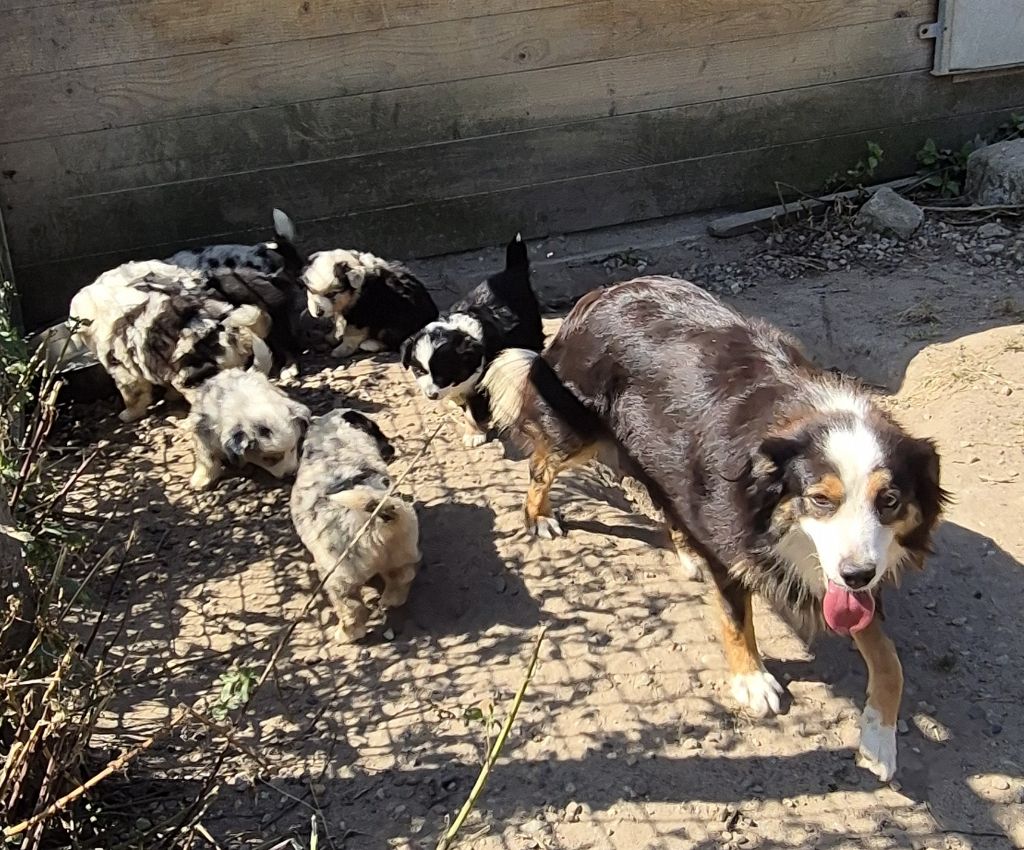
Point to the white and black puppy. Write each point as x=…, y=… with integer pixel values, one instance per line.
x=238, y=418
x=341, y=481
x=448, y=357
x=265, y=275
x=375, y=304
x=148, y=328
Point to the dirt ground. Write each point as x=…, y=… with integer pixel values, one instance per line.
x=627, y=738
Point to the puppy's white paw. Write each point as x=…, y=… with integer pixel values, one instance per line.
x=372, y=345
x=546, y=528
x=290, y=373
x=202, y=479
x=472, y=439
x=877, y=745
x=691, y=568
x=759, y=692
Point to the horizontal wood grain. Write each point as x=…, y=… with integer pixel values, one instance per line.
x=196, y=148
x=82, y=34
x=115, y=95
x=740, y=178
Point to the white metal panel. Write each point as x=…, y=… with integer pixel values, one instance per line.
x=976, y=35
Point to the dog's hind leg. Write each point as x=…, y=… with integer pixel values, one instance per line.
x=397, y=583
x=545, y=464
x=885, y=690
x=352, y=613
x=752, y=686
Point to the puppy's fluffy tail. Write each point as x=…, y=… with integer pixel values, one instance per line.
x=284, y=230
x=522, y=386
x=257, y=323
x=516, y=256
x=365, y=501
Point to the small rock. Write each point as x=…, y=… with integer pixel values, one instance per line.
x=573, y=812
x=1000, y=784
x=902, y=727
x=994, y=230
x=995, y=173
x=888, y=212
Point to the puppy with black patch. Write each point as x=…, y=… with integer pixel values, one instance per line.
x=448, y=357
x=779, y=478
x=375, y=303
x=239, y=418
x=342, y=479
x=265, y=275
x=148, y=329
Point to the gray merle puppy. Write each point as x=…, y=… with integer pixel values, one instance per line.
x=342, y=479
x=238, y=418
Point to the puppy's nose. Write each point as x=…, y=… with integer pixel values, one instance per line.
x=856, y=574
x=431, y=394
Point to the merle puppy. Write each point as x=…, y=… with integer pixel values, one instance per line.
x=448, y=357
x=264, y=275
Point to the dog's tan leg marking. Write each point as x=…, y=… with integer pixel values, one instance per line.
x=752, y=686
x=690, y=560
x=544, y=468
x=351, y=339
x=397, y=583
x=138, y=396
x=881, y=711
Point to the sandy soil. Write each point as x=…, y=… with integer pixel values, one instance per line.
x=627, y=737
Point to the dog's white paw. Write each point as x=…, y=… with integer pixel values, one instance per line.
x=546, y=528
x=877, y=745
x=691, y=568
x=472, y=439
x=759, y=692
x=290, y=373
x=372, y=345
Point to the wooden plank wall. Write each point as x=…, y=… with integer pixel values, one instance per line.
x=413, y=127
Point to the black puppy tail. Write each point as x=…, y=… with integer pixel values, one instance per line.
x=523, y=388
x=516, y=256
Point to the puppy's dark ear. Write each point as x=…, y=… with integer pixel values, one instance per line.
x=769, y=471
x=406, y=350
x=237, y=443
x=367, y=425
x=466, y=345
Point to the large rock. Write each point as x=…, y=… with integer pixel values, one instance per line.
x=995, y=174
x=891, y=214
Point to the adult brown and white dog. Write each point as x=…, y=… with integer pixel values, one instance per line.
x=150, y=324
x=782, y=479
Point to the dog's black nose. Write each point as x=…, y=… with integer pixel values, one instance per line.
x=431, y=394
x=857, y=575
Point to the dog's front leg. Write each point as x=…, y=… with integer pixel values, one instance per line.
x=351, y=339
x=137, y=395
x=881, y=710
x=752, y=685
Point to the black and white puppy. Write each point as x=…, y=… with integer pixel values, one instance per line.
x=448, y=357
x=342, y=479
x=238, y=418
x=375, y=303
x=264, y=275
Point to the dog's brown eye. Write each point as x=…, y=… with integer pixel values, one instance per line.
x=889, y=502
x=821, y=501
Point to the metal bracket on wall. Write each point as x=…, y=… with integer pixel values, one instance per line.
x=933, y=30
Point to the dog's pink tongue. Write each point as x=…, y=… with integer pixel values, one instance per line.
x=847, y=612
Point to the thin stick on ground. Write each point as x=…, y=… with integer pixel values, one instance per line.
x=485, y=771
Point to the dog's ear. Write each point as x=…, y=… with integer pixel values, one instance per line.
x=769, y=472
x=922, y=464
x=237, y=443
x=405, y=351
x=300, y=413
x=468, y=345
x=368, y=426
